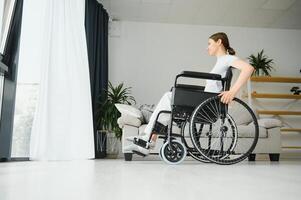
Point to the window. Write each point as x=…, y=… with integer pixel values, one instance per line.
x=6, y=11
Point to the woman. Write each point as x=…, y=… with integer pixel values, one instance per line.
x=218, y=45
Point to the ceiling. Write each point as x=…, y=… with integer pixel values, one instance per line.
x=283, y=14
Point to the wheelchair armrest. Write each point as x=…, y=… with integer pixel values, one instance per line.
x=199, y=75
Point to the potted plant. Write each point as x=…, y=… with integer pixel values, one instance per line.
x=107, y=115
x=261, y=63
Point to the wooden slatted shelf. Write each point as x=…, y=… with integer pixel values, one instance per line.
x=277, y=96
x=291, y=129
x=278, y=112
x=291, y=147
x=278, y=79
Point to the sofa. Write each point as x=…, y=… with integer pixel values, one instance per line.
x=133, y=123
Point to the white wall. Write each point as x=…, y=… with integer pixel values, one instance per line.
x=147, y=56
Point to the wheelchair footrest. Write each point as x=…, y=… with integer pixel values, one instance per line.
x=141, y=143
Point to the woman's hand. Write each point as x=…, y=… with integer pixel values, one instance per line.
x=246, y=72
x=227, y=96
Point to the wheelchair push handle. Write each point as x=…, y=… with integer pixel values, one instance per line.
x=199, y=75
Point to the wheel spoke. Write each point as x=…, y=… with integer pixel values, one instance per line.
x=225, y=143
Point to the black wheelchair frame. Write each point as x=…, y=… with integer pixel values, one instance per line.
x=183, y=107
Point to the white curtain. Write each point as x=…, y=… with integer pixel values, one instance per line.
x=1, y=16
x=63, y=126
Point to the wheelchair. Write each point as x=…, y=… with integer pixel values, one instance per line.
x=210, y=131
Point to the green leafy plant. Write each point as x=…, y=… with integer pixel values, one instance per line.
x=261, y=63
x=107, y=113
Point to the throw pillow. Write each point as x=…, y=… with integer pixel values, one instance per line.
x=147, y=111
x=129, y=120
x=125, y=109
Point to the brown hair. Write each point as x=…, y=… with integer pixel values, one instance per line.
x=225, y=41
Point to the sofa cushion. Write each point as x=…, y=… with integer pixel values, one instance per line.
x=128, y=120
x=269, y=123
x=246, y=131
x=130, y=110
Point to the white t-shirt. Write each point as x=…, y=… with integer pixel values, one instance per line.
x=221, y=67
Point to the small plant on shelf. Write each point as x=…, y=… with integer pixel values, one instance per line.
x=261, y=63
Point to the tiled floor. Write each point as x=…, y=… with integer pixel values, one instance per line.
x=147, y=179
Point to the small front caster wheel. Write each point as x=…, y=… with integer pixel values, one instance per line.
x=173, y=153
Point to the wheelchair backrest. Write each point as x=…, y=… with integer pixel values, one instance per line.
x=228, y=79
x=186, y=97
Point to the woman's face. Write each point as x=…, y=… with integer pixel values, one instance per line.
x=213, y=47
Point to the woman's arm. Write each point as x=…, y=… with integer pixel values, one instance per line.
x=246, y=71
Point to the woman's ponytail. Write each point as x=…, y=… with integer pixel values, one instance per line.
x=231, y=51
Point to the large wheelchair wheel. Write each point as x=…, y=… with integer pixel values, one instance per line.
x=224, y=134
x=191, y=150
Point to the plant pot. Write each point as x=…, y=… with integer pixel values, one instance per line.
x=112, y=145
x=101, y=144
